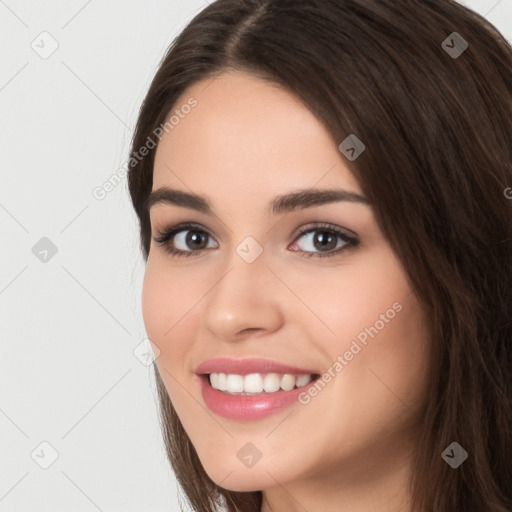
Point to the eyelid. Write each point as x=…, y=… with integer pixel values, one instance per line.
x=178, y=228
x=318, y=225
x=310, y=226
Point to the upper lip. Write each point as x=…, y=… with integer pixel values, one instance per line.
x=246, y=366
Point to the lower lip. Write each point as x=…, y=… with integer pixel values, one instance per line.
x=247, y=407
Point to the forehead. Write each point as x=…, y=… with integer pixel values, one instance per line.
x=247, y=136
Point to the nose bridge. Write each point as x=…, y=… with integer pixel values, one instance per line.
x=246, y=264
x=244, y=298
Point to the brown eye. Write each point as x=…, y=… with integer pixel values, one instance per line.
x=323, y=241
x=194, y=239
x=183, y=240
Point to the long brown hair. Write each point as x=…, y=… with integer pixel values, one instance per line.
x=436, y=119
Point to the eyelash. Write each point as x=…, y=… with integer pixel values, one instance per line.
x=164, y=237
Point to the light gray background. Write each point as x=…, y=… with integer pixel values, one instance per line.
x=69, y=326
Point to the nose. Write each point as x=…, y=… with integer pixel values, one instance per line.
x=243, y=302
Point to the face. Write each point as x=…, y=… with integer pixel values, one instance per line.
x=276, y=297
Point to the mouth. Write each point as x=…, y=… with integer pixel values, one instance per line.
x=251, y=389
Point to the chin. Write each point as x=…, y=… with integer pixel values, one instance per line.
x=239, y=479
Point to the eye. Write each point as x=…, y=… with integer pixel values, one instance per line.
x=328, y=240
x=183, y=236
x=191, y=240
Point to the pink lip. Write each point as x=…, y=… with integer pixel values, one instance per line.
x=246, y=366
x=247, y=407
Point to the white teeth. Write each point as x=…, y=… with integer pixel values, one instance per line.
x=214, y=380
x=255, y=383
x=221, y=381
x=271, y=382
x=288, y=382
x=302, y=380
x=234, y=383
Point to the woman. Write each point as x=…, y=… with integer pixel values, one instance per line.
x=322, y=187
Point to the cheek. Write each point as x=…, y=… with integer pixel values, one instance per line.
x=379, y=334
x=402, y=355
x=164, y=309
x=351, y=300
x=154, y=311
x=385, y=382
x=164, y=306
x=170, y=308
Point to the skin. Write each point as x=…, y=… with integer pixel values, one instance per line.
x=349, y=448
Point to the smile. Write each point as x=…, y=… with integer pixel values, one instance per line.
x=251, y=389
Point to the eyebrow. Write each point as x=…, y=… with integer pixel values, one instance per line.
x=299, y=200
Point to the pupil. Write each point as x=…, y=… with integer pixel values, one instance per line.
x=195, y=238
